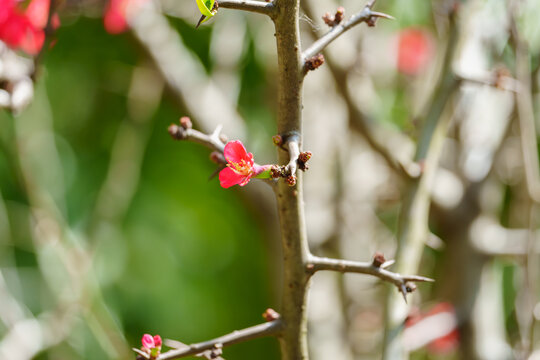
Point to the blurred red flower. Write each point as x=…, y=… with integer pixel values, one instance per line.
x=23, y=29
x=437, y=329
x=415, y=50
x=116, y=13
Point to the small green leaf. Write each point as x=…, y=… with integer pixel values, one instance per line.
x=206, y=8
x=266, y=174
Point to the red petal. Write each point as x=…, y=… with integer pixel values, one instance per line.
x=228, y=178
x=38, y=13
x=157, y=340
x=148, y=341
x=115, y=17
x=235, y=152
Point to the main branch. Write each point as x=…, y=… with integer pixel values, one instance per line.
x=290, y=198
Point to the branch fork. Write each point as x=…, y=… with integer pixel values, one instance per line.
x=365, y=15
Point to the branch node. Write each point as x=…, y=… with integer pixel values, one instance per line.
x=314, y=62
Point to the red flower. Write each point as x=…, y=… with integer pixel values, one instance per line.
x=241, y=167
x=24, y=29
x=415, y=49
x=116, y=13
x=150, y=342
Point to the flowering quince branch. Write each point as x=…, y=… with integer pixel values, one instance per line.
x=366, y=15
x=270, y=328
x=376, y=268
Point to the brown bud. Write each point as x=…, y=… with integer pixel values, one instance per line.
x=328, y=19
x=176, y=132
x=291, y=180
x=378, y=259
x=277, y=140
x=340, y=13
x=185, y=122
x=223, y=138
x=275, y=171
x=314, y=62
x=305, y=156
x=217, y=157
x=371, y=21
x=270, y=315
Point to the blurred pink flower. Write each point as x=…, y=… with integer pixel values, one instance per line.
x=150, y=342
x=24, y=29
x=415, y=50
x=116, y=13
x=241, y=167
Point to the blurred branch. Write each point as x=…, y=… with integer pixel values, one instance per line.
x=366, y=15
x=184, y=73
x=272, y=328
x=370, y=268
x=413, y=227
x=129, y=148
x=376, y=136
x=265, y=8
x=525, y=110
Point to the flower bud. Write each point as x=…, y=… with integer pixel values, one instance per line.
x=185, y=122
x=270, y=315
x=291, y=180
x=314, y=62
x=277, y=139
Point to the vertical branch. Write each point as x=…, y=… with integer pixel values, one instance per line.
x=290, y=201
x=413, y=227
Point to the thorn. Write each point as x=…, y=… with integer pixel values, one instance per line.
x=403, y=290
x=382, y=15
x=388, y=263
x=217, y=131
x=200, y=21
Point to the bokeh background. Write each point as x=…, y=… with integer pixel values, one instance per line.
x=110, y=229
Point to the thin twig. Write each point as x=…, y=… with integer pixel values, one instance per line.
x=211, y=141
x=272, y=328
x=363, y=16
x=265, y=8
x=346, y=266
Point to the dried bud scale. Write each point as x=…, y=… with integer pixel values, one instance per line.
x=378, y=259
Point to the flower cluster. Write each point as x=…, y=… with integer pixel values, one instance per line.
x=151, y=345
x=240, y=166
x=24, y=29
